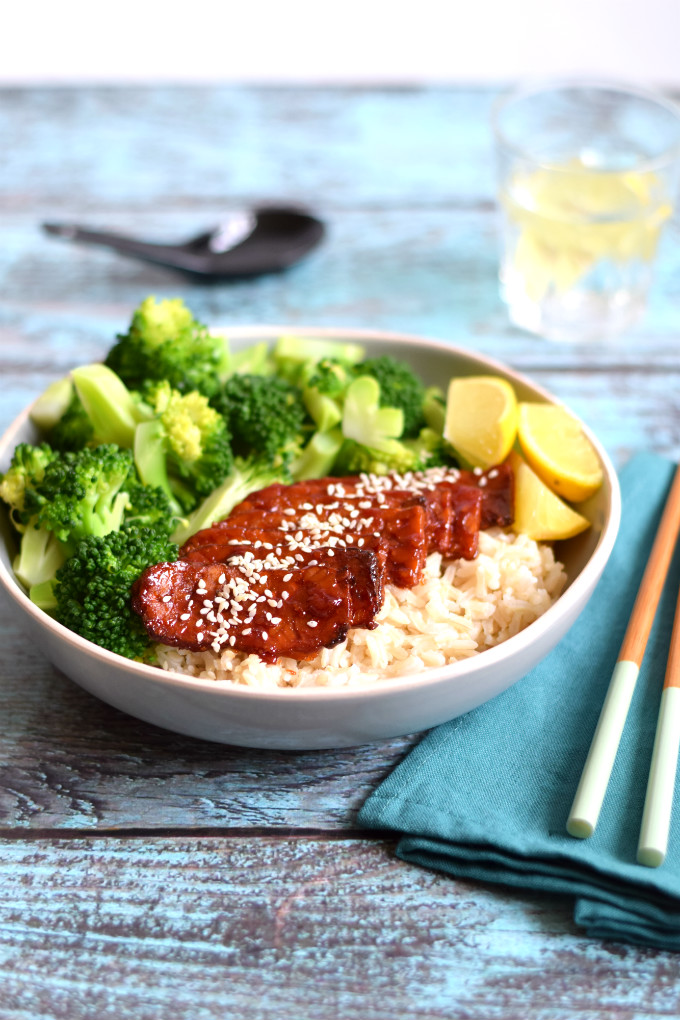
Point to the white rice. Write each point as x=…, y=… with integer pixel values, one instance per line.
x=459, y=609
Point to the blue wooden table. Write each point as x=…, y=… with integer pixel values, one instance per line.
x=146, y=875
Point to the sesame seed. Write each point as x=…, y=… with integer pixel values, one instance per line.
x=312, y=623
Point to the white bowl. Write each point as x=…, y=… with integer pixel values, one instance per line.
x=307, y=718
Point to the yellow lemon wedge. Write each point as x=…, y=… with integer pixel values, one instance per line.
x=556, y=447
x=481, y=419
x=539, y=513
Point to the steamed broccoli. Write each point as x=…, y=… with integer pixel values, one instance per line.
x=148, y=507
x=317, y=459
x=27, y=469
x=82, y=493
x=165, y=341
x=61, y=418
x=296, y=357
x=73, y=430
x=100, y=409
x=185, y=448
x=40, y=552
x=56, y=499
x=324, y=392
x=373, y=442
x=399, y=387
x=265, y=416
x=92, y=590
x=247, y=476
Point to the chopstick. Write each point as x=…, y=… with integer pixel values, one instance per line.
x=587, y=804
x=656, y=816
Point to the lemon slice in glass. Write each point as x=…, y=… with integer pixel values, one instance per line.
x=556, y=447
x=481, y=419
x=539, y=513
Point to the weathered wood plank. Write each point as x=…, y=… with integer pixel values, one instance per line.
x=348, y=146
x=69, y=761
x=203, y=928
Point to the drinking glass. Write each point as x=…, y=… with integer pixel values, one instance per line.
x=588, y=174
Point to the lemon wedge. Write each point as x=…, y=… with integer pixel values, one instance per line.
x=556, y=447
x=481, y=419
x=539, y=513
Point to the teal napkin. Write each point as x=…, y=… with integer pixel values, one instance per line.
x=486, y=796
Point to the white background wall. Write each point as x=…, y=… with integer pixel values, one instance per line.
x=338, y=40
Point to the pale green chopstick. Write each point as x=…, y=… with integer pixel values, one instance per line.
x=587, y=804
x=656, y=817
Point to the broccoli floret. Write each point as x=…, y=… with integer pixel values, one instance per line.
x=247, y=476
x=324, y=392
x=26, y=470
x=365, y=421
x=149, y=507
x=430, y=450
x=185, y=448
x=296, y=357
x=354, y=458
x=58, y=498
x=372, y=435
x=426, y=450
x=91, y=593
x=40, y=552
x=165, y=341
x=265, y=416
x=399, y=387
x=101, y=409
x=82, y=493
x=73, y=430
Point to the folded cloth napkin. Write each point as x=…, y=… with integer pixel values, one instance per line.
x=486, y=796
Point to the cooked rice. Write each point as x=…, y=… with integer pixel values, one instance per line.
x=460, y=608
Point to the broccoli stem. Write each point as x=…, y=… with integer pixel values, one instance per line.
x=109, y=405
x=222, y=500
x=52, y=404
x=318, y=456
x=43, y=596
x=40, y=556
x=150, y=453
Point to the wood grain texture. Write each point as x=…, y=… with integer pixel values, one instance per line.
x=68, y=761
x=291, y=928
x=144, y=874
x=103, y=147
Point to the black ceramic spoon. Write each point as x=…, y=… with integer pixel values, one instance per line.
x=265, y=240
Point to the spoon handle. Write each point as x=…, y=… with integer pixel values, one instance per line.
x=72, y=232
